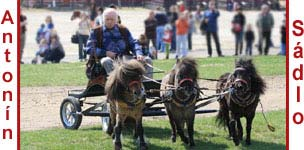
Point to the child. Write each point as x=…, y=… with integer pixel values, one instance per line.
x=167, y=38
x=249, y=37
x=43, y=46
x=143, y=42
x=40, y=33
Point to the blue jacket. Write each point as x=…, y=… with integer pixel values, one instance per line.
x=113, y=41
x=212, y=20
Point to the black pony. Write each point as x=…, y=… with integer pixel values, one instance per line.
x=181, y=99
x=245, y=87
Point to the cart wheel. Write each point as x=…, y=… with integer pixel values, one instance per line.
x=105, y=120
x=69, y=113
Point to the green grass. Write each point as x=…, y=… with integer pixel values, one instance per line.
x=74, y=73
x=207, y=136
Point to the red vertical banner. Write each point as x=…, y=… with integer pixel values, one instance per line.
x=9, y=70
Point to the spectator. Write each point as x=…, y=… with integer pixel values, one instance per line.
x=249, y=37
x=192, y=30
x=117, y=41
x=93, y=14
x=238, y=23
x=23, y=23
x=172, y=17
x=162, y=20
x=167, y=39
x=143, y=41
x=283, y=38
x=211, y=28
x=198, y=15
x=115, y=7
x=182, y=27
x=150, y=29
x=83, y=35
x=49, y=26
x=43, y=47
x=181, y=6
x=40, y=33
x=55, y=52
x=99, y=19
x=264, y=24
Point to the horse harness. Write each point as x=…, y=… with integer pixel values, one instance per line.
x=171, y=96
x=237, y=99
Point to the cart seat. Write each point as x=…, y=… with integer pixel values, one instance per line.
x=90, y=91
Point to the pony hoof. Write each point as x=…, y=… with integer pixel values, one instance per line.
x=185, y=140
x=248, y=142
x=236, y=143
x=192, y=144
x=118, y=146
x=173, y=138
x=143, y=146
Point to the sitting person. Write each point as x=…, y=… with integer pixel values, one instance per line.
x=117, y=42
x=143, y=41
x=55, y=53
x=43, y=47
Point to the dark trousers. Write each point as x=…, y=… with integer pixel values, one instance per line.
x=238, y=42
x=153, y=42
x=190, y=41
x=173, y=41
x=82, y=43
x=217, y=43
x=249, y=48
x=265, y=36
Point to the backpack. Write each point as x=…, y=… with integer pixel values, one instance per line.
x=93, y=67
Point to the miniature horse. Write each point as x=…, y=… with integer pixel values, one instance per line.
x=127, y=99
x=180, y=101
x=245, y=87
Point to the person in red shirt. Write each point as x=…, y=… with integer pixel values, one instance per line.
x=182, y=27
x=167, y=38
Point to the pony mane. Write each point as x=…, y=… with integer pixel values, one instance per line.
x=258, y=85
x=187, y=66
x=118, y=79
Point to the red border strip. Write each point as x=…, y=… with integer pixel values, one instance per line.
x=287, y=76
x=18, y=74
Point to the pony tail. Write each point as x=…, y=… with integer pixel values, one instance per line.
x=223, y=114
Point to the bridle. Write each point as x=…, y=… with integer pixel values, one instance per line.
x=190, y=99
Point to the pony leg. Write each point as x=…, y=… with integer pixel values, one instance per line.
x=140, y=130
x=180, y=131
x=240, y=129
x=190, y=123
x=173, y=127
x=112, y=122
x=117, y=132
x=249, y=120
x=233, y=127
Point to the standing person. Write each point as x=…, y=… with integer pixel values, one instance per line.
x=283, y=38
x=93, y=14
x=182, y=27
x=150, y=29
x=162, y=20
x=83, y=35
x=23, y=23
x=192, y=30
x=264, y=24
x=238, y=23
x=211, y=28
x=249, y=37
x=172, y=17
x=99, y=19
x=168, y=38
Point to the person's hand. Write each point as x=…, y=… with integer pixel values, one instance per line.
x=110, y=54
x=140, y=57
x=206, y=20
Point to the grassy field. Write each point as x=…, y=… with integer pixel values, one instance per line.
x=69, y=74
x=207, y=136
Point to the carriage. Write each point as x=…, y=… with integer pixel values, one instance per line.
x=71, y=111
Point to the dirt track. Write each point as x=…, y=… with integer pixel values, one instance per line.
x=40, y=105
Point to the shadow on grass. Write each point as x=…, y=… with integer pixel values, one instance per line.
x=257, y=145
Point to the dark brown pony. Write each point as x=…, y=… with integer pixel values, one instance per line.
x=245, y=87
x=181, y=100
x=126, y=97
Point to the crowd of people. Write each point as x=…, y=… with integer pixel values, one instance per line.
x=165, y=32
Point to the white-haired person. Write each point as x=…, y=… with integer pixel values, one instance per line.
x=112, y=41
